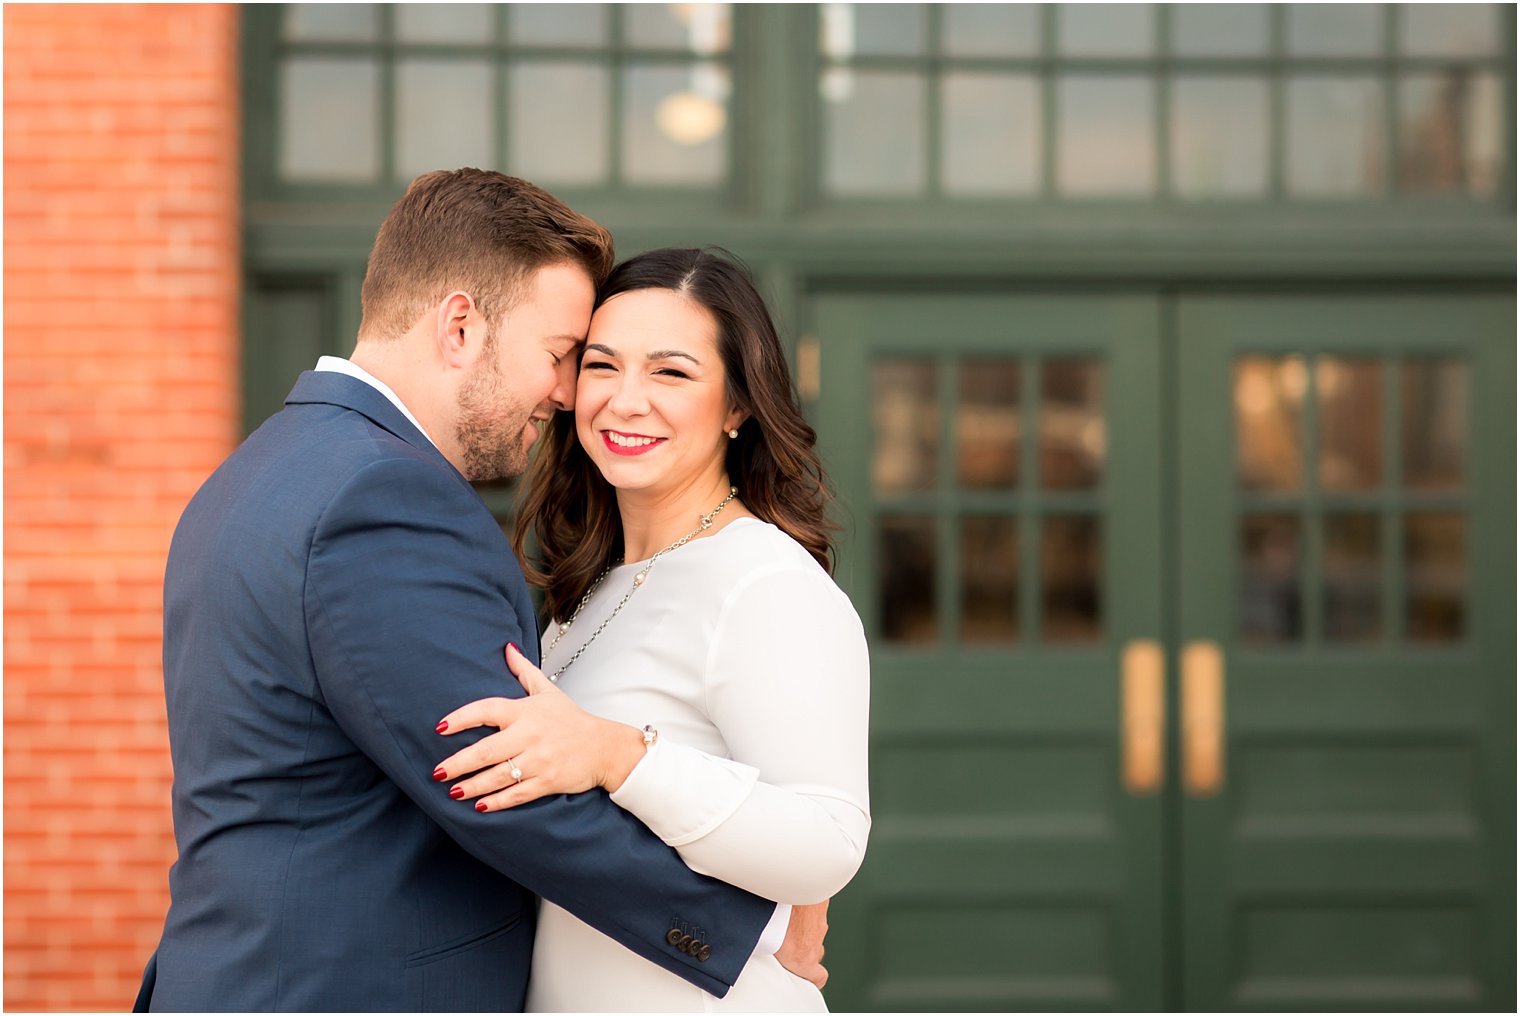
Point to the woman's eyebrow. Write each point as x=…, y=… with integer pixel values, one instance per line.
x=670, y=354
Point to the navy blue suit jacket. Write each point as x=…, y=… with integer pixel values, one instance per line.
x=332, y=591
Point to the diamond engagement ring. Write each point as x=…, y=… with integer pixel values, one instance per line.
x=516, y=772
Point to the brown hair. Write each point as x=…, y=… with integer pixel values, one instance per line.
x=571, y=510
x=473, y=230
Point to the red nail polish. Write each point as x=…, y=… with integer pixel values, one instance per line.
x=439, y=774
x=480, y=806
x=457, y=793
x=442, y=726
x=513, y=646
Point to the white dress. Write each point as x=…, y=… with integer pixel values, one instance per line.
x=752, y=665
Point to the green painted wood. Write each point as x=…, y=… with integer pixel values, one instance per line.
x=1361, y=854
x=1008, y=868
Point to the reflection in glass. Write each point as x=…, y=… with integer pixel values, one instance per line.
x=1335, y=136
x=1219, y=137
x=905, y=401
x=851, y=30
x=1073, y=429
x=557, y=24
x=1350, y=423
x=1271, y=607
x=1219, y=29
x=1269, y=400
x=989, y=29
x=559, y=122
x=329, y=119
x=1435, y=576
x=675, y=124
x=1434, y=402
x=989, y=578
x=1105, y=135
x=331, y=22
x=1450, y=132
x=700, y=28
x=1352, y=576
x=987, y=424
x=991, y=134
x=1105, y=29
x=874, y=133
x=444, y=23
x=466, y=137
x=1334, y=29
x=1448, y=29
x=906, y=556
x=1071, y=569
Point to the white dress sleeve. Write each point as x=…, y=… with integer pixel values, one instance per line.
x=788, y=687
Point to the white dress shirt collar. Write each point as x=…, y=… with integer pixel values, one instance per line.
x=339, y=365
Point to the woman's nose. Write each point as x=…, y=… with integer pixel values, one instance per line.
x=629, y=399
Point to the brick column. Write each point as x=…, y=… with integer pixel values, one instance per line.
x=121, y=395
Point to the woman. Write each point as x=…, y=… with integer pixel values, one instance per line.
x=723, y=676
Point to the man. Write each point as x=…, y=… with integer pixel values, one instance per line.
x=333, y=589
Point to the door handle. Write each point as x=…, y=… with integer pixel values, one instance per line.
x=1202, y=719
x=1144, y=687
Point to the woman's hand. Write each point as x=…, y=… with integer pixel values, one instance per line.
x=558, y=747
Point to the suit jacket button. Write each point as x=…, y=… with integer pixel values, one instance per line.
x=673, y=936
x=693, y=946
x=704, y=952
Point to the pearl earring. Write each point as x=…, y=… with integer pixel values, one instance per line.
x=734, y=433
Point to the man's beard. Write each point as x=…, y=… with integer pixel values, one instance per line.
x=490, y=425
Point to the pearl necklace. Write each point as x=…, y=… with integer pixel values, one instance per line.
x=638, y=580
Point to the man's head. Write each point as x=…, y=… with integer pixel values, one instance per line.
x=478, y=291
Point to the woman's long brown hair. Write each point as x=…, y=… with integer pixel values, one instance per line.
x=571, y=511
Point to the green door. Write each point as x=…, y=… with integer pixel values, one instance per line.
x=998, y=457
x=1192, y=646
x=1347, y=659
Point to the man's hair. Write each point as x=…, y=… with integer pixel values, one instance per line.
x=476, y=231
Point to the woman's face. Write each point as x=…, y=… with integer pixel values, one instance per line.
x=651, y=403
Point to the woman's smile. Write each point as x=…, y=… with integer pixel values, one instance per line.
x=619, y=443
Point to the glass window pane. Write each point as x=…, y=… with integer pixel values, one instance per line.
x=675, y=124
x=1269, y=402
x=1073, y=431
x=989, y=579
x=581, y=25
x=699, y=28
x=1435, y=576
x=1271, y=607
x=1335, y=136
x=851, y=30
x=1350, y=395
x=559, y=126
x=1435, y=407
x=988, y=425
x=1334, y=29
x=1105, y=29
x=874, y=133
x=332, y=22
x=1106, y=136
x=990, y=29
x=1219, y=137
x=991, y=134
x=906, y=555
x=445, y=22
x=1448, y=29
x=329, y=119
x=905, y=403
x=466, y=137
x=1450, y=132
x=1219, y=29
x=1353, y=590
x=1071, y=569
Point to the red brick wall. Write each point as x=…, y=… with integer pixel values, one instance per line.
x=121, y=395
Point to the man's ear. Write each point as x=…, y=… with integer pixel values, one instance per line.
x=460, y=332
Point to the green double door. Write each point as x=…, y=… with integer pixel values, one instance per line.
x=1192, y=627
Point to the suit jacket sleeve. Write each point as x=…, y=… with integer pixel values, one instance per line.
x=409, y=606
